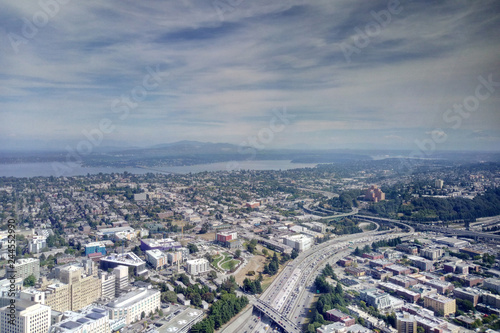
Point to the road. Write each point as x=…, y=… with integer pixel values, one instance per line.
x=288, y=298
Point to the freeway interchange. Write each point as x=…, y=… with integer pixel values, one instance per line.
x=285, y=303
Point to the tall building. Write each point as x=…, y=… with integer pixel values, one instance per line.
x=440, y=303
x=198, y=266
x=376, y=298
x=27, y=267
x=75, y=290
x=108, y=283
x=29, y=317
x=438, y=183
x=93, y=320
x=174, y=257
x=406, y=323
x=374, y=194
x=121, y=279
x=132, y=305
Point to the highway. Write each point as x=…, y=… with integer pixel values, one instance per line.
x=286, y=301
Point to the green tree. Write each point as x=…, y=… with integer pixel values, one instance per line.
x=29, y=281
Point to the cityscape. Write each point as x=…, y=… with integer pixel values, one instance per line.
x=235, y=166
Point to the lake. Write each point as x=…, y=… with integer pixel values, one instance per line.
x=46, y=169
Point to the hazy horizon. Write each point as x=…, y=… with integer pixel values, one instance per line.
x=383, y=75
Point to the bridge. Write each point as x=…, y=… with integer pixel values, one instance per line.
x=286, y=324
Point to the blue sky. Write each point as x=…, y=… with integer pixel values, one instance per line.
x=225, y=68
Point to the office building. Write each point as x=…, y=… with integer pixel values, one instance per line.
x=93, y=320
x=156, y=258
x=438, y=183
x=299, y=242
x=197, y=266
x=29, y=317
x=440, y=304
x=431, y=253
x=174, y=257
x=128, y=259
x=95, y=247
x=27, y=267
x=131, y=305
x=376, y=298
x=108, y=285
x=121, y=279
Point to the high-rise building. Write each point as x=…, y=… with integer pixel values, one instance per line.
x=27, y=267
x=121, y=279
x=29, y=317
x=36, y=244
x=108, y=283
x=198, y=266
x=438, y=183
x=406, y=323
x=75, y=290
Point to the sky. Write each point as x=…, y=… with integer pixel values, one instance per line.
x=319, y=74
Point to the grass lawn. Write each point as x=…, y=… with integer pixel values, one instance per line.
x=225, y=265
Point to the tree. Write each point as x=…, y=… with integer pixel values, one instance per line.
x=212, y=275
x=29, y=281
x=170, y=296
x=143, y=314
x=294, y=254
x=237, y=253
x=192, y=248
x=265, y=252
x=420, y=329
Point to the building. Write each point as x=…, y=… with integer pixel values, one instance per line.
x=493, y=284
x=29, y=317
x=174, y=257
x=452, y=242
x=164, y=244
x=27, y=267
x=406, y=323
x=373, y=255
x=128, y=259
x=470, y=294
x=431, y=253
x=228, y=239
x=134, y=305
x=197, y=266
x=442, y=287
x=376, y=298
x=140, y=196
x=421, y=263
x=36, y=244
x=374, y=194
x=338, y=316
x=299, y=242
x=95, y=247
x=156, y=258
x=121, y=279
x=355, y=271
x=398, y=269
x=95, y=320
x=438, y=183
x=75, y=290
x=440, y=304
x=108, y=283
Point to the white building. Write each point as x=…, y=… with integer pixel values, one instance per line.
x=108, y=285
x=299, y=242
x=197, y=266
x=36, y=244
x=95, y=320
x=26, y=267
x=156, y=258
x=29, y=317
x=131, y=305
x=121, y=279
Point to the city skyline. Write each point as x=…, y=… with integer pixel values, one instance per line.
x=350, y=75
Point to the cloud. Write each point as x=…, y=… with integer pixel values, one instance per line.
x=226, y=76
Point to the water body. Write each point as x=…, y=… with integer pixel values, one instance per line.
x=47, y=169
